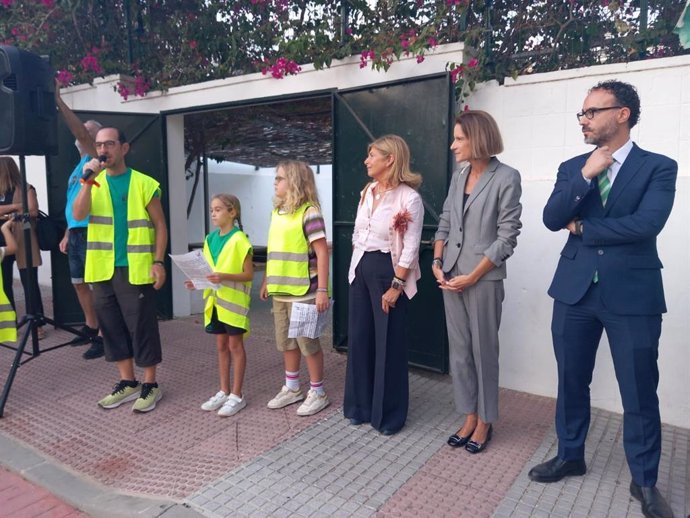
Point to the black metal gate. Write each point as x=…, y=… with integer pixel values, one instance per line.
x=421, y=111
x=146, y=134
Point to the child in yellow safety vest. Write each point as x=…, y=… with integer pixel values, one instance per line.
x=8, y=318
x=297, y=271
x=226, y=314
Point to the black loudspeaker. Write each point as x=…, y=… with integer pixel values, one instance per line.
x=28, y=116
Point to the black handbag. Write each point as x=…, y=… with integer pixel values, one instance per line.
x=49, y=231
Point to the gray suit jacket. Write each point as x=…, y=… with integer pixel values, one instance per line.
x=487, y=225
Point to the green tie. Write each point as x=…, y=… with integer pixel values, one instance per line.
x=604, y=186
x=604, y=189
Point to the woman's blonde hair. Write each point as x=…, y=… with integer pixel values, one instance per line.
x=231, y=202
x=301, y=186
x=481, y=130
x=395, y=146
x=9, y=175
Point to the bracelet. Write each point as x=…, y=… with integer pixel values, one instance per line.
x=90, y=182
x=159, y=262
x=437, y=261
x=322, y=290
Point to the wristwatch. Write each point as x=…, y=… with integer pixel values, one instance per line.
x=397, y=284
x=438, y=261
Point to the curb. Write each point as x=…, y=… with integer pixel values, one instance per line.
x=89, y=497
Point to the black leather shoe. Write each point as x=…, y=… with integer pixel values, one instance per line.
x=456, y=441
x=96, y=349
x=355, y=422
x=653, y=504
x=88, y=333
x=386, y=431
x=555, y=469
x=478, y=447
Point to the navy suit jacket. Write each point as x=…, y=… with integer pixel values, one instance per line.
x=618, y=241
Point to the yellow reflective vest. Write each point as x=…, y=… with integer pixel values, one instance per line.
x=287, y=262
x=141, y=235
x=8, y=318
x=231, y=300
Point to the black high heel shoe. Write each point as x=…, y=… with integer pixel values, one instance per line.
x=478, y=447
x=456, y=441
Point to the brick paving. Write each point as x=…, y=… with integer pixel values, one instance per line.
x=180, y=461
x=22, y=499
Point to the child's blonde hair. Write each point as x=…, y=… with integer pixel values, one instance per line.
x=231, y=202
x=301, y=186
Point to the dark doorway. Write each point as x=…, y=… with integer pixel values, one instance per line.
x=420, y=111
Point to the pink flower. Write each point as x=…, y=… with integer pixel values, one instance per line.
x=192, y=44
x=432, y=42
x=456, y=73
x=401, y=220
x=472, y=63
x=420, y=58
x=90, y=63
x=123, y=90
x=405, y=44
x=141, y=86
x=64, y=76
x=466, y=108
x=6, y=3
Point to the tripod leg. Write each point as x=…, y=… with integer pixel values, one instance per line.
x=13, y=369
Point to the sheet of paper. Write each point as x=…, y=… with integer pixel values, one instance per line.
x=305, y=320
x=194, y=265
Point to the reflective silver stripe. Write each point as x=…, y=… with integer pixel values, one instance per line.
x=9, y=324
x=6, y=307
x=101, y=220
x=139, y=223
x=230, y=306
x=287, y=256
x=239, y=286
x=140, y=249
x=99, y=245
x=287, y=281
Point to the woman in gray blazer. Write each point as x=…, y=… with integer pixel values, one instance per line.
x=477, y=232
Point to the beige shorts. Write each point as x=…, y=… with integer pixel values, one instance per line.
x=281, y=317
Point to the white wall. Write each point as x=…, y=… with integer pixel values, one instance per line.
x=536, y=115
x=254, y=188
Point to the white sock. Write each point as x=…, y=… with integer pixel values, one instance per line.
x=292, y=380
x=317, y=386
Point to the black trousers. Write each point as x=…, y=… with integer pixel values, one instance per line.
x=36, y=301
x=8, y=278
x=376, y=382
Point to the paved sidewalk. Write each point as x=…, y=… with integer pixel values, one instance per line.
x=180, y=461
x=22, y=499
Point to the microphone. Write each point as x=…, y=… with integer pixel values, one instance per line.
x=89, y=172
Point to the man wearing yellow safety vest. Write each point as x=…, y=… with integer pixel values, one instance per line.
x=126, y=242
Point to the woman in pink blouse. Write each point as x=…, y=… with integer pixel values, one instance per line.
x=383, y=277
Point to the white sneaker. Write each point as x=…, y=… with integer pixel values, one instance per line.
x=233, y=404
x=285, y=397
x=313, y=404
x=215, y=402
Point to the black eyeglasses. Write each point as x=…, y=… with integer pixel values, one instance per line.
x=591, y=112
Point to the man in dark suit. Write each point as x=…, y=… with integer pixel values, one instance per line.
x=613, y=201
